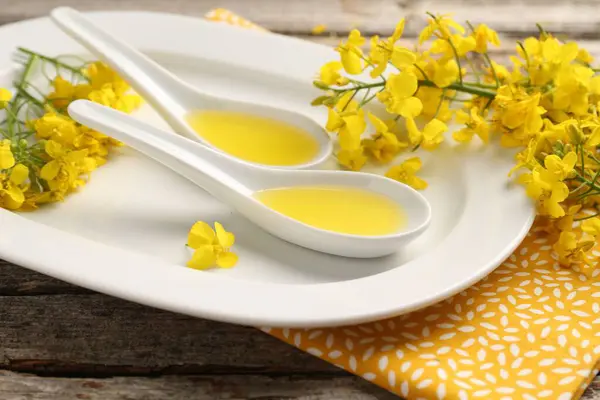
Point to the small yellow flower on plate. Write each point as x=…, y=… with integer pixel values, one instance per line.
x=211, y=246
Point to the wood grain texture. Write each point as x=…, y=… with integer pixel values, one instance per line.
x=18, y=281
x=577, y=17
x=255, y=387
x=281, y=16
x=97, y=335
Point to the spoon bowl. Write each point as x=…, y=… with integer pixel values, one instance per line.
x=234, y=183
x=171, y=97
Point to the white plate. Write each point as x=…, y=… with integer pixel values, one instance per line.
x=124, y=233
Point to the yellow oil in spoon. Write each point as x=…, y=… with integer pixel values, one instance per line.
x=254, y=138
x=337, y=208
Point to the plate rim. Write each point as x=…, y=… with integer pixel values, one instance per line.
x=16, y=247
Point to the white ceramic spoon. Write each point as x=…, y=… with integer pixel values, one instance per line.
x=234, y=183
x=171, y=97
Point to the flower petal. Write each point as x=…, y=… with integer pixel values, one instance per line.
x=204, y=257
x=13, y=197
x=7, y=160
x=226, y=239
x=19, y=174
x=201, y=234
x=379, y=125
x=412, y=165
x=227, y=259
x=50, y=170
x=410, y=108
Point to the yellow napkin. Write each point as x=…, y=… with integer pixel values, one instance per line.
x=530, y=330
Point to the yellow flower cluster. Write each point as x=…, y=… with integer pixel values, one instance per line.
x=48, y=156
x=211, y=246
x=546, y=104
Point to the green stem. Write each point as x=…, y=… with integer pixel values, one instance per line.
x=359, y=86
x=473, y=69
x=54, y=61
x=11, y=115
x=350, y=100
x=592, y=185
x=494, y=74
x=586, y=217
x=460, y=77
x=29, y=97
x=421, y=71
x=480, y=85
x=462, y=88
x=439, y=106
x=470, y=88
x=525, y=53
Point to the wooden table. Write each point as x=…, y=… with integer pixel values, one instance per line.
x=58, y=341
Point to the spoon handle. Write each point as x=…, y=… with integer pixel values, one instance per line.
x=200, y=164
x=148, y=78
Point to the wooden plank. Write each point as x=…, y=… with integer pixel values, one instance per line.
x=99, y=335
x=186, y=387
x=18, y=281
x=276, y=15
x=28, y=387
x=579, y=18
x=372, y=16
x=592, y=392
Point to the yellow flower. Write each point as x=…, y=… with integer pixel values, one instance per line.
x=13, y=187
x=398, y=95
x=56, y=127
x=346, y=118
x=591, y=226
x=445, y=72
x=379, y=56
x=431, y=136
x=565, y=223
x=351, y=154
x=570, y=250
x=398, y=31
x=5, y=96
x=542, y=186
x=318, y=29
x=430, y=98
x=526, y=157
x=108, y=97
x=443, y=24
x=19, y=174
x=211, y=246
x=475, y=125
x=109, y=89
x=545, y=58
x=352, y=159
x=101, y=74
x=384, y=51
x=561, y=169
x=406, y=171
x=329, y=74
x=7, y=159
x=65, y=92
x=584, y=56
x=572, y=88
x=519, y=114
x=461, y=44
x=11, y=196
x=350, y=53
x=63, y=173
x=501, y=73
x=384, y=145
x=484, y=35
